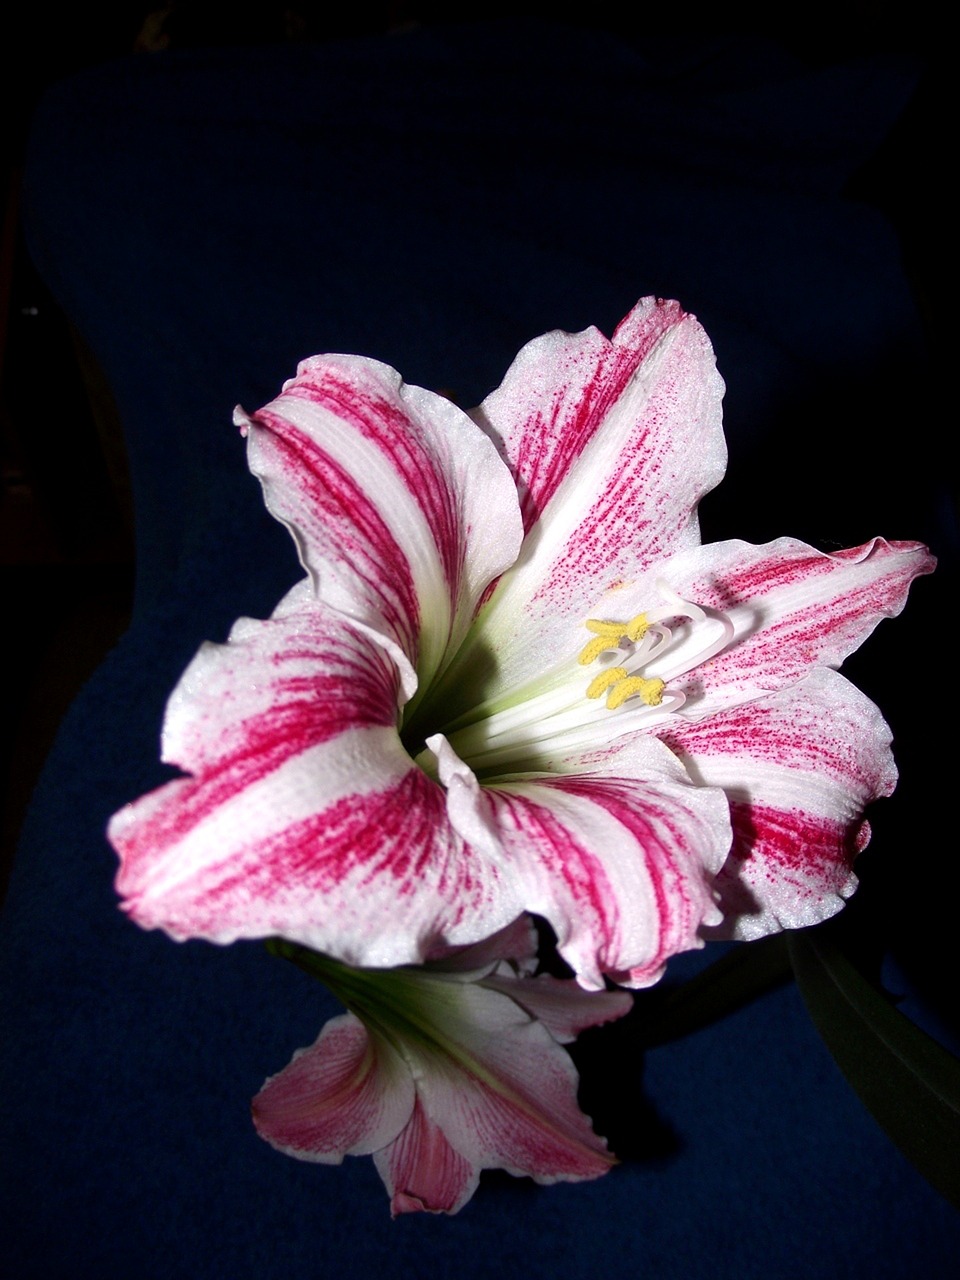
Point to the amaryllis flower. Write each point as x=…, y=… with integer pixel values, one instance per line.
x=442, y=1071
x=514, y=680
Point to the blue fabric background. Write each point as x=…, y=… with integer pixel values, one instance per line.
x=434, y=200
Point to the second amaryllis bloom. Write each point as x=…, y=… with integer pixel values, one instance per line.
x=442, y=1071
x=513, y=680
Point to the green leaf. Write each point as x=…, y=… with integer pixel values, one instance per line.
x=908, y=1081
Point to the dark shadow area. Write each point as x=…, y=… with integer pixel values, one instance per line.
x=611, y=1064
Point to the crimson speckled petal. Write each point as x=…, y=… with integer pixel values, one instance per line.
x=613, y=444
x=792, y=609
x=302, y=816
x=799, y=769
x=401, y=509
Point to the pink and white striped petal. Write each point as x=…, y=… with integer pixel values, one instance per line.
x=400, y=506
x=792, y=608
x=562, y=1006
x=514, y=1107
x=799, y=768
x=621, y=866
x=304, y=817
x=348, y=1094
x=613, y=444
x=422, y=1171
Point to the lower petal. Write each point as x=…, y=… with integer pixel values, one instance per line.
x=351, y=855
x=421, y=1170
x=346, y=1095
x=621, y=866
x=787, y=870
x=561, y=1005
x=799, y=768
x=304, y=816
x=515, y=1108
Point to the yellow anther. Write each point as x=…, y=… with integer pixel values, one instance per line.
x=592, y=650
x=614, y=681
x=602, y=682
x=636, y=627
x=651, y=691
x=612, y=629
x=607, y=635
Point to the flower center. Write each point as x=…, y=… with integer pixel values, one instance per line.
x=529, y=728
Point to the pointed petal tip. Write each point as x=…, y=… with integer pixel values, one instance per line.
x=665, y=310
x=891, y=545
x=404, y=1203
